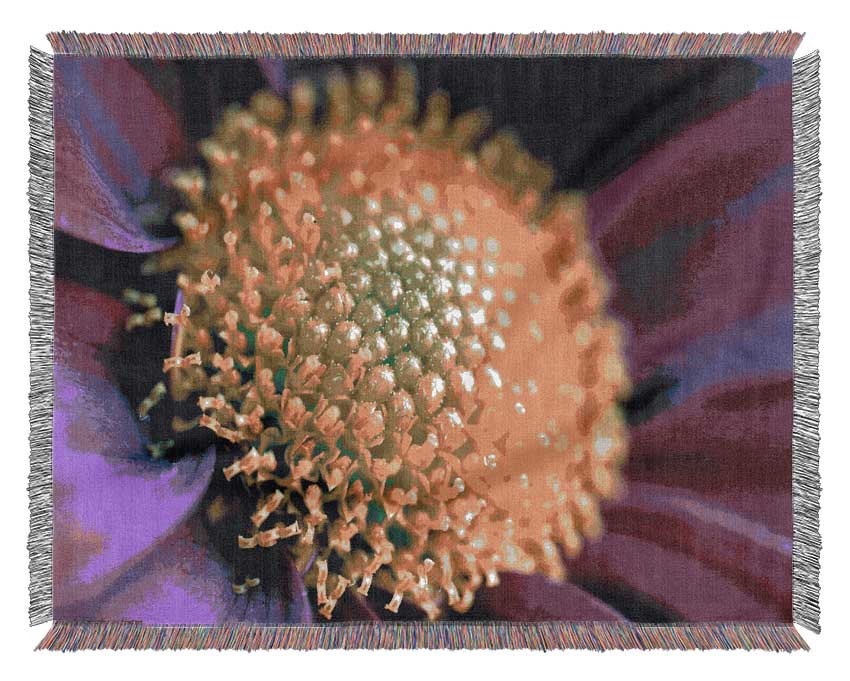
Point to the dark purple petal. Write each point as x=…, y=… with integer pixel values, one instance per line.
x=114, y=137
x=698, y=233
x=534, y=598
x=112, y=502
x=183, y=582
x=741, y=567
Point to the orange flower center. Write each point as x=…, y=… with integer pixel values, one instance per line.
x=359, y=320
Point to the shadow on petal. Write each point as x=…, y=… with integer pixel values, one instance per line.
x=535, y=598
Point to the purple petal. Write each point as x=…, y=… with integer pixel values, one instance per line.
x=534, y=598
x=112, y=502
x=114, y=137
x=275, y=72
x=183, y=582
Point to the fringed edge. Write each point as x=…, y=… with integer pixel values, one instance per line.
x=40, y=542
x=70, y=636
x=806, y=477
x=317, y=45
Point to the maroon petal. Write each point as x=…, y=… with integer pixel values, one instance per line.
x=679, y=583
x=114, y=137
x=718, y=564
x=183, y=582
x=87, y=324
x=112, y=502
x=534, y=598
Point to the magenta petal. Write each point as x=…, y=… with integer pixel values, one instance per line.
x=114, y=136
x=182, y=582
x=739, y=565
x=534, y=598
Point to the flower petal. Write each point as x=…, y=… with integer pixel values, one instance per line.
x=534, y=598
x=699, y=230
x=114, y=136
x=112, y=502
x=702, y=560
x=183, y=583
x=87, y=323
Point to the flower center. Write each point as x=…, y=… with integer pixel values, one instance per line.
x=339, y=327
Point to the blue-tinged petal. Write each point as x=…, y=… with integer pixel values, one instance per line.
x=746, y=349
x=114, y=137
x=698, y=232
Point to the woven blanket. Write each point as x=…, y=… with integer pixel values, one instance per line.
x=447, y=341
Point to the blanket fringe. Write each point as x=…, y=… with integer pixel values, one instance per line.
x=40, y=542
x=70, y=636
x=307, y=45
x=806, y=477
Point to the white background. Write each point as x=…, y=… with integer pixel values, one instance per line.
x=25, y=24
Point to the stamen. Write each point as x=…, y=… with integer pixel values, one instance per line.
x=156, y=394
x=134, y=297
x=181, y=319
x=181, y=362
x=144, y=319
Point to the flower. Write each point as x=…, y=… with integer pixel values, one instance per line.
x=689, y=526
